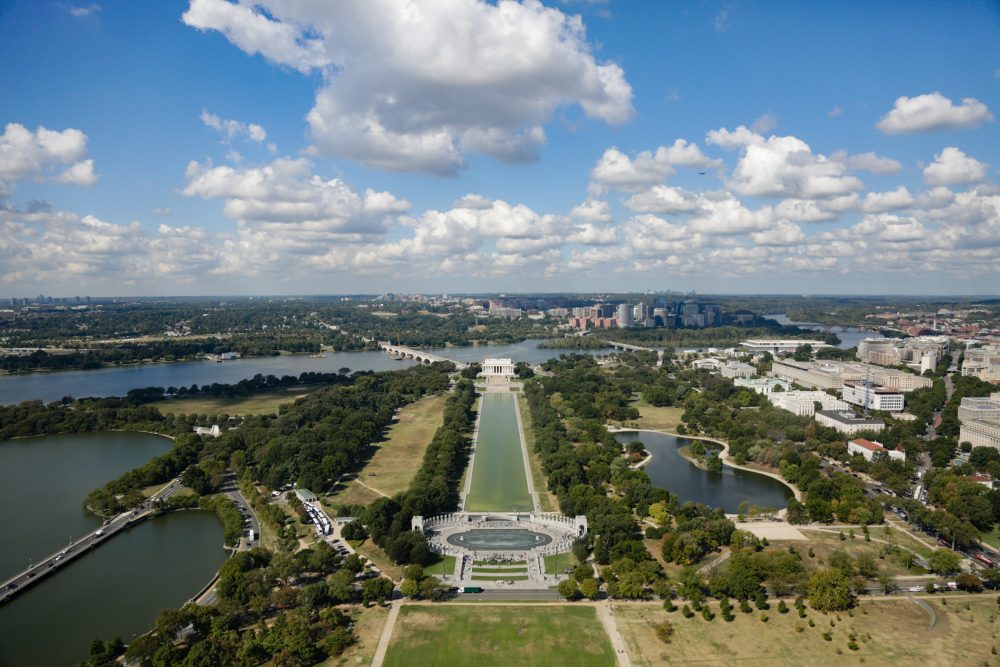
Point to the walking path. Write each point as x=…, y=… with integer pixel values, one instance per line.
x=472, y=458
x=371, y=488
x=524, y=456
x=607, y=616
x=383, y=640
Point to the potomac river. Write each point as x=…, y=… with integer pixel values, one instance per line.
x=117, y=381
x=117, y=589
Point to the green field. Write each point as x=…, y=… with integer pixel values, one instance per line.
x=498, y=479
x=499, y=577
x=557, y=564
x=264, y=403
x=485, y=635
x=444, y=565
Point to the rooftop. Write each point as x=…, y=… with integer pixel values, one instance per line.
x=848, y=417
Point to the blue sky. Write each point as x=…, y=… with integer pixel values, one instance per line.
x=452, y=145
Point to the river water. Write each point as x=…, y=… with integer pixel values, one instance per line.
x=849, y=336
x=118, y=381
x=727, y=489
x=117, y=589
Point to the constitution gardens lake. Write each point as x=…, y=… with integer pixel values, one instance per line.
x=670, y=470
x=117, y=381
x=116, y=589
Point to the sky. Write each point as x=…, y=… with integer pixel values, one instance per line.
x=311, y=147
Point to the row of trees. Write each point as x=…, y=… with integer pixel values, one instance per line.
x=434, y=490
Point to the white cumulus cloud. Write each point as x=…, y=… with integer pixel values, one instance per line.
x=782, y=167
x=933, y=111
x=27, y=154
x=413, y=86
x=951, y=166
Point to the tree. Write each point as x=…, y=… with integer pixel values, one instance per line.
x=944, y=561
x=355, y=530
x=379, y=588
x=590, y=588
x=797, y=513
x=569, y=589
x=969, y=582
x=830, y=590
x=409, y=588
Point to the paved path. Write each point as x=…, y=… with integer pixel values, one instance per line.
x=383, y=641
x=467, y=487
x=524, y=455
x=929, y=609
x=607, y=616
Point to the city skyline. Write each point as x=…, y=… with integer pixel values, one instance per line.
x=212, y=148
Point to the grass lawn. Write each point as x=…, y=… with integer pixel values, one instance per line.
x=923, y=545
x=824, y=543
x=350, y=493
x=498, y=478
x=397, y=459
x=887, y=633
x=264, y=403
x=558, y=563
x=446, y=565
x=499, y=577
x=658, y=419
x=380, y=559
x=487, y=636
x=368, y=624
x=546, y=499
x=992, y=538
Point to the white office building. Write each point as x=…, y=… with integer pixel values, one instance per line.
x=777, y=346
x=876, y=398
x=762, y=385
x=803, y=403
x=868, y=449
x=980, y=421
x=847, y=422
x=737, y=369
x=624, y=316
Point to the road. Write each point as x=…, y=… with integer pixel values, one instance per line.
x=111, y=527
x=250, y=520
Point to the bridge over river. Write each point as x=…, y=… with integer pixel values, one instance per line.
x=403, y=352
x=35, y=573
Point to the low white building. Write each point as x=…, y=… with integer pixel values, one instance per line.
x=876, y=398
x=803, y=403
x=710, y=364
x=498, y=368
x=868, y=449
x=737, y=369
x=776, y=346
x=214, y=431
x=847, y=422
x=762, y=385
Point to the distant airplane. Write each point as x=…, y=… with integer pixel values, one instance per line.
x=702, y=173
